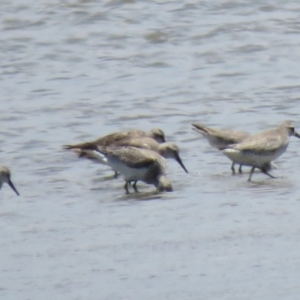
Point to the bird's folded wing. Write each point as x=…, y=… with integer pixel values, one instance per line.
x=131, y=156
x=259, y=144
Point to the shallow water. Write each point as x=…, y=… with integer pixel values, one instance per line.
x=77, y=70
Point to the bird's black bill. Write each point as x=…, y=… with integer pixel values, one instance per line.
x=178, y=159
x=13, y=187
x=297, y=135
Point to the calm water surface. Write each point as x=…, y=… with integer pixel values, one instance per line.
x=72, y=71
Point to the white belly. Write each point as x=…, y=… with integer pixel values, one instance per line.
x=128, y=172
x=253, y=159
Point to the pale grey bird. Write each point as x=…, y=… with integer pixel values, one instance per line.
x=136, y=164
x=220, y=139
x=83, y=149
x=167, y=150
x=259, y=150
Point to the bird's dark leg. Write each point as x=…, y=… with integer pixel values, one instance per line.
x=251, y=172
x=240, y=169
x=126, y=187
x=266, y=172
x=116, y=174
x=232, y=168
x=134, y=186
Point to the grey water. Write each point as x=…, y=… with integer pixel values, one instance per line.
x=72, y=71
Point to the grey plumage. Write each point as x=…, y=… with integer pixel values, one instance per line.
x=84, y=149
x=167, y=150
x=259, y=150
x=137, y=164
x=220, y=138
x=156, y=134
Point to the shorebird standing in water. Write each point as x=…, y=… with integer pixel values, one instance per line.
x=220, y=139
x=167, y=150
x=83, y=149
x=259, y=150
x=136, y=164
x=5, y=177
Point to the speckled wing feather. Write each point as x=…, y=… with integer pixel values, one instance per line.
x=107, y=140
x=118, y=136
x=226, y=135
x=132, y=156
x=139, y=142
x=82, y=146
x=224, y=138
x=259, y=144
x=237, y=136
